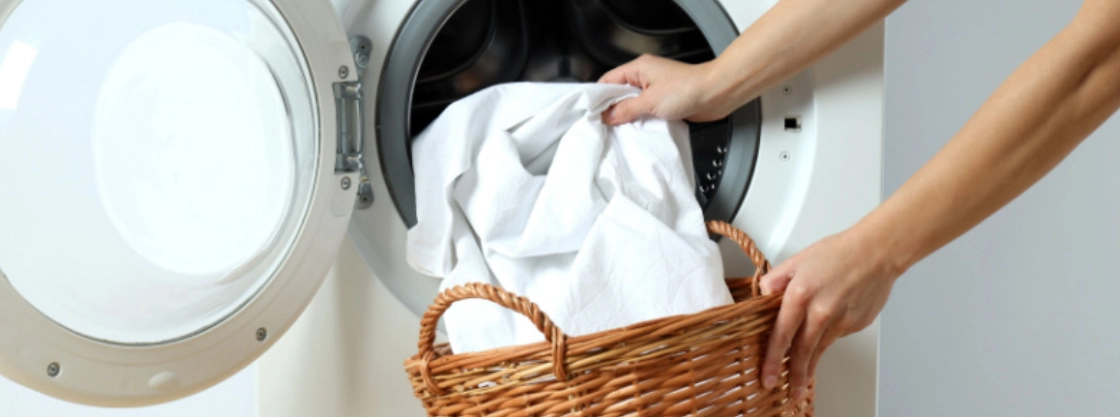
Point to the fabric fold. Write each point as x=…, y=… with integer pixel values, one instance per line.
x=523, y=186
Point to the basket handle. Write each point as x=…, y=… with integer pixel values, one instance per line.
x=498, y=296
x=761, y=265
x=529, y=309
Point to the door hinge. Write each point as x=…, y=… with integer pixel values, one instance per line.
x=351, y=123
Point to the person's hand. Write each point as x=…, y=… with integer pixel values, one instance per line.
x=834, y=288
x=671, y=90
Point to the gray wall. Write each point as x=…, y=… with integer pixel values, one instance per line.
x=1019, y=316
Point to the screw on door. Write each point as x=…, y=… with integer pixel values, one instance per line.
x=54, y=369
x=365, y=194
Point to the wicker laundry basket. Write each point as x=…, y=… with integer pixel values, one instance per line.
x=704, y=364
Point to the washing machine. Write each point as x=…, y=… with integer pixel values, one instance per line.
x=191, y=186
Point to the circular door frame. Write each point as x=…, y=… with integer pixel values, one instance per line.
x=378, y=232
x=40, y=354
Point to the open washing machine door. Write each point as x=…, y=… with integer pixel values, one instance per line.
x=177, y=177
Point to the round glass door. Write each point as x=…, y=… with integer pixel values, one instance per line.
x=157, y=160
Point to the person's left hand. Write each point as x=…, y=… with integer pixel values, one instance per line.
x=834, y=288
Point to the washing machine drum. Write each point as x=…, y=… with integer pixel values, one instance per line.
x=446, y=50
x=176, y=176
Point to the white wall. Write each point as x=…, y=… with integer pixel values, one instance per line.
x=1016, y=318
x=236, y=397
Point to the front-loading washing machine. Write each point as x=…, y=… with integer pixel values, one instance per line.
x=178, y=177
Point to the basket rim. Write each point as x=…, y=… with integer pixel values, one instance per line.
x=575, y=343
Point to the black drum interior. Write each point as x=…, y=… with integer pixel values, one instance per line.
x=450, y=49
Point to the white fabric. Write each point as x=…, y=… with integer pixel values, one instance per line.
x=522, y=185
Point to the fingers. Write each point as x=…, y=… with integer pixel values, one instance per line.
x=633, y=109
x=629, y=110
x=630, y=73
x=790, y=318
x=805, y=348
x=827, y=340
x=778, y=279
x=633, y=72
x=620, y=75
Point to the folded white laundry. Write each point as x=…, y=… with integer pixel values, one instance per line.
x=523, y=186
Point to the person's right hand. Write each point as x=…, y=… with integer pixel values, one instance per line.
x=834, y=288
x=671, y=90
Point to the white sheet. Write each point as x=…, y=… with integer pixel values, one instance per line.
x=521, y=185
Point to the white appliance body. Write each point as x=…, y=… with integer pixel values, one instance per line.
x=344, y=357
x=809, y=150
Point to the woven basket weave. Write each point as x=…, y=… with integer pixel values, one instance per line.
x=704, y=364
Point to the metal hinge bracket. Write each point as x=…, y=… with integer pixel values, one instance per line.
x=351, y=122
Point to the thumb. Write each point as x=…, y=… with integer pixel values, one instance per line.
x=629, y=110
x=776, y=280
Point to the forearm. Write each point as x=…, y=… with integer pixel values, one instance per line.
x=1033, y=121
x=786, y=40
